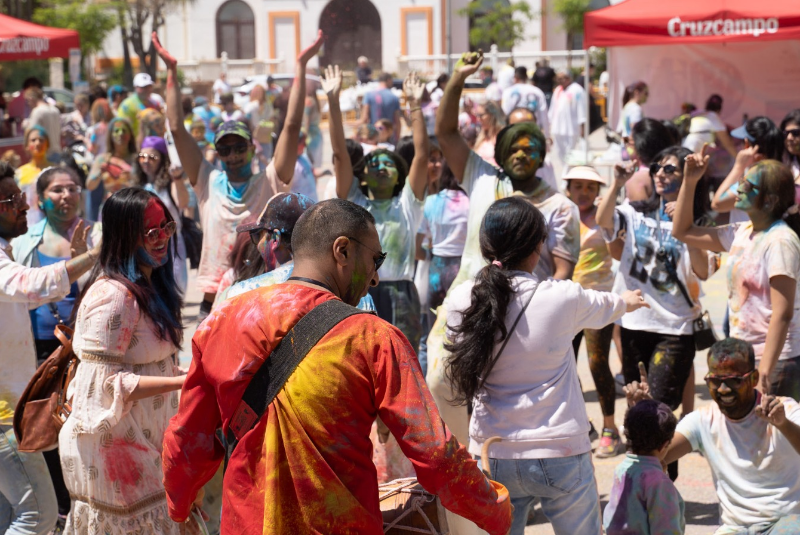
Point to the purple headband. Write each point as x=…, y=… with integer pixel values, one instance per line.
x=153, y=142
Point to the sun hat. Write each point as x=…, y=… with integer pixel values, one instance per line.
x=585, y=172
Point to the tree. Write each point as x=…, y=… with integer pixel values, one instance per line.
x=93, y=22
x=497, y=22
x=146, y=16
x=571, y=12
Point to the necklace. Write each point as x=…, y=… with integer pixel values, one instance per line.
x=312, y=281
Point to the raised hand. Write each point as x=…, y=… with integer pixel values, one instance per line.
x=469, y=63
x=78, y=245
x=622, y=173
x=413, y=88
x=747, y=157
x=636, y=392
x=772, y=410
x=695, y=165
x=332, y=81
x=165, y=56
x=312, y=50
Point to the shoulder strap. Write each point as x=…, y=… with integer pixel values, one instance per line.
x=281, y=363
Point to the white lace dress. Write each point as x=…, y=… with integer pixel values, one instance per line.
x=111, y=449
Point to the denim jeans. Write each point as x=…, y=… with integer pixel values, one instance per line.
x=788, y=525
x=27, y=500
x=565, y=486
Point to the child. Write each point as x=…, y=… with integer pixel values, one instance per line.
x=643, y=499
x=385, y=130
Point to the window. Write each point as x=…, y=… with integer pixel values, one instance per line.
x=236, y=32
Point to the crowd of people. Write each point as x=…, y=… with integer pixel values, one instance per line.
x=473, y=261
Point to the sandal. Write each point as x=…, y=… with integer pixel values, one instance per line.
x=610, y=445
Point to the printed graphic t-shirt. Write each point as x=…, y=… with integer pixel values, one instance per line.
x=643, y=268
x=754, y=258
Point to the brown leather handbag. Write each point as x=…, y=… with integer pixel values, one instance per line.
x=43, y=407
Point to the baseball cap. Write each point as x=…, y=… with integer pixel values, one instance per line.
x=742, y=133
x=281, y=213
x=234, y=128
x=142, y=80
x=584, y=172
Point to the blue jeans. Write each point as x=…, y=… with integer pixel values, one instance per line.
x=566, y=487
x=28, y=503
x=788, y=525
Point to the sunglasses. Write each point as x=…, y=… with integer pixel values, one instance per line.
x=69, y=190
x=745, y=186
x=255, y=234
x=154, y=234
x=381, y=256
x=17, y=200
x=733, y=381
x=238, y=148
x=794, y=132
x=144, y=156
x=668, y=169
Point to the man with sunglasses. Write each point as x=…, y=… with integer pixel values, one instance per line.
x=751, y=442
x=306, y=466
x=27, y=499
x=229, y=195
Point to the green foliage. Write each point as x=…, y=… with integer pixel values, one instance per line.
x=13, y=73
x=497, y=22
x=571, y=13
x=92, y=22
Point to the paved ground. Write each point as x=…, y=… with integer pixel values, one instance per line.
x=694, y=483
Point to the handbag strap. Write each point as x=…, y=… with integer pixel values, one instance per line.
x=281, y=363
x=505, y=341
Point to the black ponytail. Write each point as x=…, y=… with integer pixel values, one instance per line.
x=511, y=231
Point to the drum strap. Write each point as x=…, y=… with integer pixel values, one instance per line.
x=279, y=366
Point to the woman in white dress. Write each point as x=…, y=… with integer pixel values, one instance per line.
x=127, y=333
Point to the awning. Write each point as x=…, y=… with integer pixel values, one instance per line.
x=21, y=39
x=658, y=22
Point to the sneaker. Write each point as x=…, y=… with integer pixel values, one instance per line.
x=610, y=445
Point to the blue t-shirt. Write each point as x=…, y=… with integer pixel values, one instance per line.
x=382, y=105
x=42, y=319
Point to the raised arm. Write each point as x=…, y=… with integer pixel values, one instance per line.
x=605, y=212
x=342, y=168
x=286, y=149
x=418, y=172
x=723, y=200
x=188, y=151
x=454, y=148
x=683, y=227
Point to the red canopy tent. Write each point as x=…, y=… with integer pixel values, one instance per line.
x=20, y=39
x=746, y=51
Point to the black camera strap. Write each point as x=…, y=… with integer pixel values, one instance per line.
x=669, y=264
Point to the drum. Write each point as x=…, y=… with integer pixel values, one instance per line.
x=408, y=508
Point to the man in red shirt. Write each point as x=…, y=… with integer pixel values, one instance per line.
x=306, y=466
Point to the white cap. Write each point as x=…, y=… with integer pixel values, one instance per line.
x=142, y=80
x=585, y=172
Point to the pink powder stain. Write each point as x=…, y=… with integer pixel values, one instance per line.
x=120, y=462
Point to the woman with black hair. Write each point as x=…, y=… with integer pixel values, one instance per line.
x=523, y=390
x=667, y=272
x=632, y=99
x=762, y=268
x=762, y=141
x=128, y=331
x=648, y=138
x=790, y=127
x=112, y=169
x=395, y=198
x=154, y=171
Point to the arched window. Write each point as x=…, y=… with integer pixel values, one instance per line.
x=236, y=31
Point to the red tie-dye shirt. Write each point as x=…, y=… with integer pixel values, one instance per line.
x=306, y=467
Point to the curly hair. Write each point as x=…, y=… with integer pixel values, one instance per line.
x=649, y=425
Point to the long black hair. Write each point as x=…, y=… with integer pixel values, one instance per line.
x=701, y=201
x=511, y=231
x=123, y=226
x=399, y=162
x=791, y=117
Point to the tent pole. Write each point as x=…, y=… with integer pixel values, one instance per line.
x=587, y=83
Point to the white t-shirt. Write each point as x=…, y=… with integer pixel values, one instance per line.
x=631, y=114
x=702, y=129
x=484, y=186
x=396, y=220
x=222, y=208
x=220, y=87
x=529, y=97
x=752, y=260
x=532, y=398
x=493, y=92
x=567, y=110
x=445, y=221
x=303, y=181
x=641, y=269
x=756, y=470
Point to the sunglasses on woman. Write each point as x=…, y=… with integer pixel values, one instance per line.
x=143, y=157
x=794, y=132
x=733, y=381
x=152, y=236
x=746, y=186
x=668, y=169
x=238, y=148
